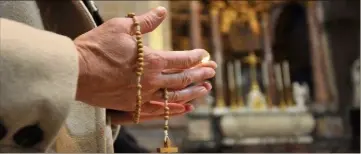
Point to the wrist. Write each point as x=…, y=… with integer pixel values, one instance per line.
x=82, y=76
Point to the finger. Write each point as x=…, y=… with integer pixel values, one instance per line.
x=127, y=117
x=154, y=107
x=184, y=95
x=210, y=64
x=183, y=59
x=148, y=21
x=185, y=78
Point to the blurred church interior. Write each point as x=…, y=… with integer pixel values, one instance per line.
x=288, y=75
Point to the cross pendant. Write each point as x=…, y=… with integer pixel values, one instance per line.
x=167, y=148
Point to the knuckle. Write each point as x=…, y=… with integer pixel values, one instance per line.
x=155, y=60
x=115, y=22
x=186, y=79
x=147, y=22
x=174, y=97
x=188, y=61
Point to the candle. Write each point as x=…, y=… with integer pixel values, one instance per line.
x=230, y=70
x=286, y=74
x=265, y=73
x=278, y=75
x=238, y=72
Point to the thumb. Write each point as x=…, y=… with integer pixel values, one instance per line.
x=150, y=20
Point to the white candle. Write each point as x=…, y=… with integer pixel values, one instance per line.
x=238, y=72
x=278, y=75
x=286, y=74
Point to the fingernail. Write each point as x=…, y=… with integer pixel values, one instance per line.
x=189, y=107
x=207, y=85
x=206, y=54
x=160, y=11
x=202, y=88
x=210, y=72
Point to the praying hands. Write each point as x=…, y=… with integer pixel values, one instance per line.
x=107, y=64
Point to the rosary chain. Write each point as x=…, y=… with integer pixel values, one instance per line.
x=139, y=72
x=140, y=64
x=166, y=115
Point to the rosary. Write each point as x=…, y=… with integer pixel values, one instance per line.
x=167, y=147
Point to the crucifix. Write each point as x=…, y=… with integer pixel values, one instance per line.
x=167, y=147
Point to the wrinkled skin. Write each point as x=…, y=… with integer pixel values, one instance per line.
x=107, y=59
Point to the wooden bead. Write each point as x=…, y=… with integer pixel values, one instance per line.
x=140, y=70
x=166, y=117
x=166, y=127
x=140, y=54
x=139, y=42
x=139, y=86
x=140, y=45
x=138, y=33
x=138, y=37
x=140, y=64
x=166, y=112
x=139, y=73
x=131, y=15
x=140, y=59
x=166, y=108
x=136, y=23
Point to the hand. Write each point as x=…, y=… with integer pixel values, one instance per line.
x=107, y=59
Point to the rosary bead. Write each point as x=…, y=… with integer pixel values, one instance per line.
x=139, y=86
x=166, y=108
x=131, y=15
x=140, y=70
x=139, y=42
x=139, y=73
x=140, y=59
x=140, y=45
x=140, y=50
x=140, y=54
x=138, y=37
x=138, y=33
x=140, y=64
x=166, y=112
x=166, y=117
x=166, y=127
